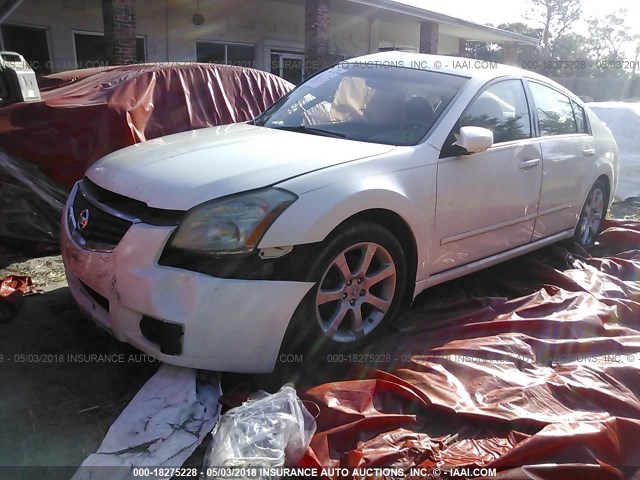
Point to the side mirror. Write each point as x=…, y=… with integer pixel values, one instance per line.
x=475, y=139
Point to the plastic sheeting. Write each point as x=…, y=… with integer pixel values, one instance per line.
x=531, y=369
x=268, y=430
x=30, y=203
x=623, y=119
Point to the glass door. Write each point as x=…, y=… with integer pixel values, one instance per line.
x=288, y=65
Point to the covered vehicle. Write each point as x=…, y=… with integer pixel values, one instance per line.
x=86, y=114
x=623, y=119
x=322, y=219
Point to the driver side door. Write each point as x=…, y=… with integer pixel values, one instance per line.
x=487, y=202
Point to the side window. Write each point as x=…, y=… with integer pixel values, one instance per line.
x=502, y=108
x=555, y=113
x=581, y=118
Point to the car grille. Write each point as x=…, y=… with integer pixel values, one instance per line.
x=109, y=216
x=103, y=229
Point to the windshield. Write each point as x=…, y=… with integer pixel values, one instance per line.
x=366, y=102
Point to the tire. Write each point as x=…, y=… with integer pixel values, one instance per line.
x=327, y=319
x=593, y=212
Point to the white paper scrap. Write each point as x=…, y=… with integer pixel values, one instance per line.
x=161, y=427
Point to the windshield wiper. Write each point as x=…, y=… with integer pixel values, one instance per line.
x=309, y=130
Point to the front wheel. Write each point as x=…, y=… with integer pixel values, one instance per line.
x=592, y=215
x=360, y=278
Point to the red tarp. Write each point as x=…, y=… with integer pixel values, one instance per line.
x=92, y=113
x=86, y=114
x=519, y=367
x=12, y=289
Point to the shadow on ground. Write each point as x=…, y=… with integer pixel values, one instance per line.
x=63, y=383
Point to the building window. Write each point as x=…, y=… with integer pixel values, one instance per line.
x=335, y=58
x=288, y=65
x=91, y=50
x=239, y=54
x=395, y=47
x=31, y=42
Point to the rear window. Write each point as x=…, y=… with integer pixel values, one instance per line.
x=581, y=118
x=9, y=57
x=555, y=113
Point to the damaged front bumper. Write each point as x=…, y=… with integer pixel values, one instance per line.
x=180, y=317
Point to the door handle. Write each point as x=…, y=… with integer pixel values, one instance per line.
x=587, y=151
x=529, y=164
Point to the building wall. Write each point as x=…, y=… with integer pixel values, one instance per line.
x=265, y=24
x=63, y=17
x=448, y=45
x=401, y=35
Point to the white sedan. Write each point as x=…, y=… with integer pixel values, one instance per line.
x=313, y=226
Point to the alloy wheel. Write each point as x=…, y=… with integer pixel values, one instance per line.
x=591, y=218
x=355, y=292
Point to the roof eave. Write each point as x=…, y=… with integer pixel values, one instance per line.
x=394, y=6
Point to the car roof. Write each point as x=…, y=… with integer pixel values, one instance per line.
x=466, y=67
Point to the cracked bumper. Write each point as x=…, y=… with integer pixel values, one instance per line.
x=229, y=325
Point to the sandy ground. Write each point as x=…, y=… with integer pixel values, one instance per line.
x=56, y=401
x=44, y=271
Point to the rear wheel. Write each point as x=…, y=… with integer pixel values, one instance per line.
x=360, y=278
x=592, y=215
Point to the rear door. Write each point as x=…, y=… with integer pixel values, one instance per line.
x=567, y=146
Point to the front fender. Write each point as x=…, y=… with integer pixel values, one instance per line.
x=409, y=193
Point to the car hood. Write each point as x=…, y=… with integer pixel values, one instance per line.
x=180, y=171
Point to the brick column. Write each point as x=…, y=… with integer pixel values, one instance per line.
x=119, y=17
x=316, y=36
x=462, y=47
x=510, y=53
x=429, y=32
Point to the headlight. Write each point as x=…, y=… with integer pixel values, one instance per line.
x=233, y=224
